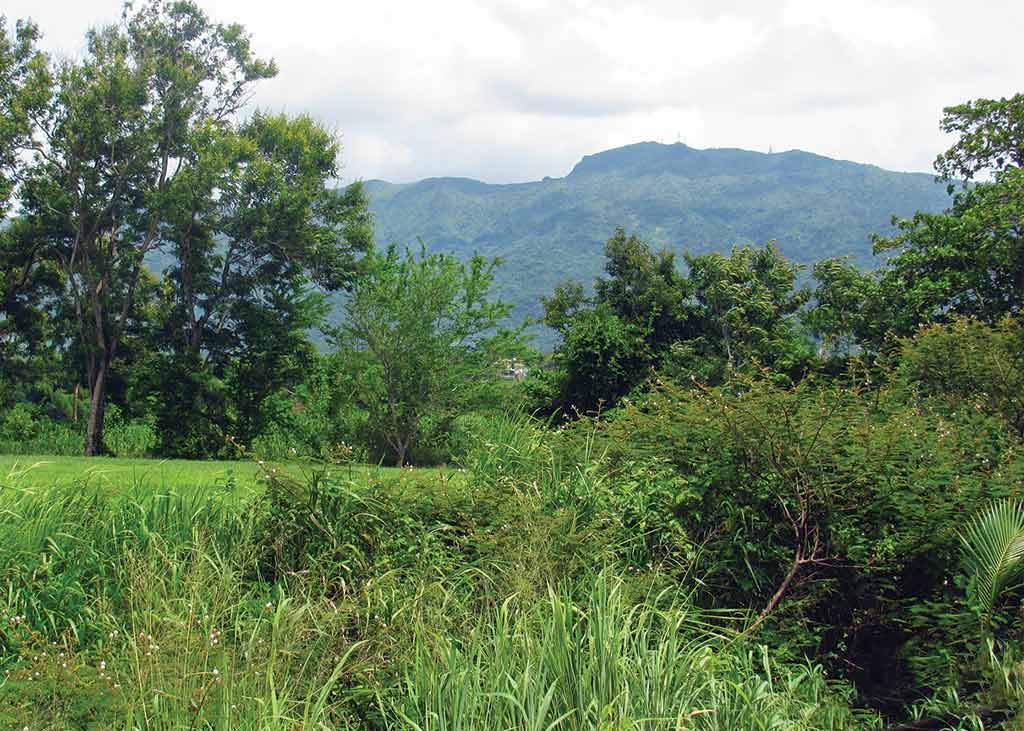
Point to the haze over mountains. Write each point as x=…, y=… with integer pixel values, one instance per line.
x=674, y=196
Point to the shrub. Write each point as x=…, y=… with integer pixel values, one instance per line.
x=345, y=533
x=19, y=424
x=834, y=508
x=128, y=438
x=969, y=364
x=26, y=429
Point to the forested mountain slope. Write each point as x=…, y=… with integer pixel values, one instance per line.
x=673, y=195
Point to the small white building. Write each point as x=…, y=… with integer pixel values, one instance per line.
x=512, y=369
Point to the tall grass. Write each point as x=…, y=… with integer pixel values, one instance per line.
x=145, y=612
x=151, y=610
x=607, y=664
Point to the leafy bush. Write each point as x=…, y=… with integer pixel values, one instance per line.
x=345, y=531
x=316, y=420
x=191, y=406
x=128, y=438
x=27, y=429
x=19, y=424
x=969, y=364
x=835, y=506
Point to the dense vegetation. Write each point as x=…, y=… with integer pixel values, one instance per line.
x=674, y=196
x=737, y=494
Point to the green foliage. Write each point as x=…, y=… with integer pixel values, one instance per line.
x=990, y=137
x=27, y=428
x=746, y=302
x=833, y=509
x=341, y=533
x=128, y=437
x=610, y=342
x=255, y=242
x=709, y=494
x=848, y=310
x=601, y=358
x=993, y=552
x=729, y=313
x=148, y=161
x=424, y=327
x=969, y=365
x=18, y=423
x=24, y=88
x=119, y=610
x=191, y=405
x=101, y=193
x=319, y=418
x=967, y=260
x=28, y=285
x=645, y=289
x=607, y=575
x=672, y=196
x=150, y=609
x=994, y=549
x=605, y=664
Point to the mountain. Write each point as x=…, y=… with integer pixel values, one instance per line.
x=674, y=196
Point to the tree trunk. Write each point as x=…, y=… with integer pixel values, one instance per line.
x=97, y=408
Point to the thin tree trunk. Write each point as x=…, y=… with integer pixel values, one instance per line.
x=780, y=592
x=97, y=408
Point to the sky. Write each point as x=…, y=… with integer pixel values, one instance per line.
x=514, y=90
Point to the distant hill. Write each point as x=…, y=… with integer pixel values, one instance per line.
x=672, y=195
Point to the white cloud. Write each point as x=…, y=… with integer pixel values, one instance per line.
x=507, y=90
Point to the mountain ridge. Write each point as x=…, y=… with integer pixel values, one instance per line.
x=586, y=160
x=673, y=195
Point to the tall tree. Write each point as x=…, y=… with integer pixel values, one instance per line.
x=24, y=92
x=991, y=137
x=647, y=315
x=120, y=127
x=30, y=288
x=848, y=310
x=254, y=218
x=143, y=158
x=645, y=289
x=747, y=303
x=257, y=235
x=611, y=341
x=968, y=260
x=28, y=283
x=602, y=358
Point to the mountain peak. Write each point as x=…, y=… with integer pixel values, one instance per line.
x=652, y=158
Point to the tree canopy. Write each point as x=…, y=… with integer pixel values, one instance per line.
x=428, y=324
x=141, y=154
x=725, y=313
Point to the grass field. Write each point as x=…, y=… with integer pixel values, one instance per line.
x=45, y=471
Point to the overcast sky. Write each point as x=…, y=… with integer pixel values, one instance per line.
x=513, y=90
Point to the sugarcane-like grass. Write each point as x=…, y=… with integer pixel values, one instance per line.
x=157, y=608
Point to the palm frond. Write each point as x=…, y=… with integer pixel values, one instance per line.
x=994, y=550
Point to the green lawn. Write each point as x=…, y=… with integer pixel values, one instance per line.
x=46, y=471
